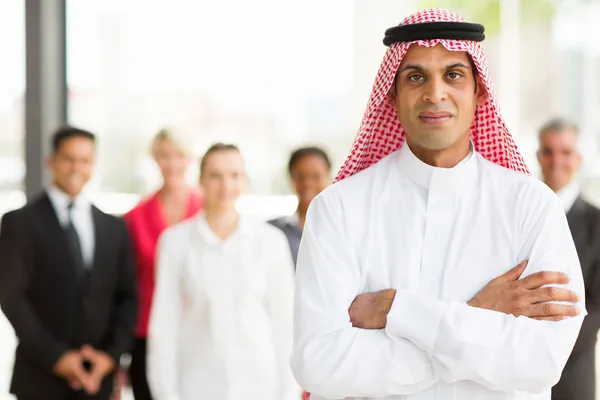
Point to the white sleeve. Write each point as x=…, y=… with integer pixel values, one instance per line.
x=331, y=358
x=280, y=290
x=165, y=316
x=497, y=350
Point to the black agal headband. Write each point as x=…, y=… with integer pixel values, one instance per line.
x=434, y=30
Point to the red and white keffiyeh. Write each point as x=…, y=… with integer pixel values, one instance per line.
x=380, y=132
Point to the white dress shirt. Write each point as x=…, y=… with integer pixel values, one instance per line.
x=568, y=195
x=82, y=219
x=221, y=320
x=438, y=236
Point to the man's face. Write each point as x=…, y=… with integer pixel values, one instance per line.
x=72, y=164
x=558, y=158
x=436, y=96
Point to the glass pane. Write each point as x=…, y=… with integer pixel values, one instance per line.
x=12, y=156
x=12, y=91
x=254, y=78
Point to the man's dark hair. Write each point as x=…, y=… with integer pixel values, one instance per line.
x=300, y=153
x=215, y=148
x=558, y=124
x=68, y=132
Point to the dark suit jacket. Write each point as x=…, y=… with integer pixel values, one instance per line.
x=292, y=233
x=51, y=308
x=579, y=376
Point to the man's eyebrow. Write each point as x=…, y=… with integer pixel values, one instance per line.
x=457, y=65
x=412, y=66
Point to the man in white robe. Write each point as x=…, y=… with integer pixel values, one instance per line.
x=435, y=267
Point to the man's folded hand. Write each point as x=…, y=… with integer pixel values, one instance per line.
x=529, y=297
x=370, y=310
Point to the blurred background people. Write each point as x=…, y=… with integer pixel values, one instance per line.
x=67, y=283
x=173, y=202
x=221, y=320
x=309, y=169
x=559, y=159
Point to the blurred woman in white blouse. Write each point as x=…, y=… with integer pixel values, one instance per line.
x=221, y=320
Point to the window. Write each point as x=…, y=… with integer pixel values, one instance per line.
x=12, y=91
x=251, y=76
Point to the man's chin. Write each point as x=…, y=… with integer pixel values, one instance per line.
x=436, y=144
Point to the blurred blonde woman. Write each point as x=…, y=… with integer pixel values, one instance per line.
x=221, y=321
x=173, y=202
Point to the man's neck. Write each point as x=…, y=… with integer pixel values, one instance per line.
x=63, y=192
x=444, y=158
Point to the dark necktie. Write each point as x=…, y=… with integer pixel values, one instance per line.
x=74, y=243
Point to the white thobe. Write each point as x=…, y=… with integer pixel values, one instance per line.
x=221, y=319
x=437, y=236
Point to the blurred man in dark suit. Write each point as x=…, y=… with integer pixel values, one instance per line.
x=67, y=283
x=559, y=161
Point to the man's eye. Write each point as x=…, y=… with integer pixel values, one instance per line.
x=416, y=78
x=453, y=75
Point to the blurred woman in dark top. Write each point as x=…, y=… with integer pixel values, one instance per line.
x=310, y=172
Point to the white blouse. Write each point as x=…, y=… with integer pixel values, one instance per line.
x=221, y=319
x=437, y=236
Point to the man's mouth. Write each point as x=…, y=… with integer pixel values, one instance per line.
x=435, y=117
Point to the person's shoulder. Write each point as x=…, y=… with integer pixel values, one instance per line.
x=360, y=181
x=11, y=217
x=523, y=188
x=277, y=222
x=180, y=229
x=261, y=227
x=28, y=209
x=591, y=208
x=141, y=208
x=592, y=212
x=114, y=223
x=354, y=189
x=265, y=234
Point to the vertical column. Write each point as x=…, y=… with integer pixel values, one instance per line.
x=590, y=100
x=508, y=84
x=46, y=84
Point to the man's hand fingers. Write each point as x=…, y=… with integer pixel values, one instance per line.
x=386, y=295
x=75, y=384
x=555, y=318
x=551, y=310
x=88, y=352
x=81, y=375
x=542, y=278
x=95, y=379
x=551, y=293
x=512, y=274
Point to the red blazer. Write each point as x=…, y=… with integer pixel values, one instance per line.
x=146, y=223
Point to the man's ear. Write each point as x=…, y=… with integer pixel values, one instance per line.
x=391, y=95
x=481, y=92
x=48, y=162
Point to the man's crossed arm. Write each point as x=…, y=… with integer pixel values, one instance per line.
x=415, y=341
x=528, y=297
